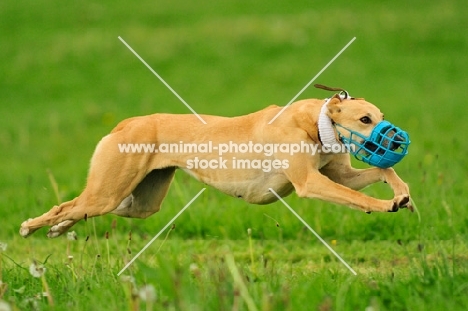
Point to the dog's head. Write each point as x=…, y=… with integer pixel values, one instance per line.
x=361, y=126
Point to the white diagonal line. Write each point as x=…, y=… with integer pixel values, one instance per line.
x=312, y=230
x=313, y=79
x=162, y=80
x=160, y=232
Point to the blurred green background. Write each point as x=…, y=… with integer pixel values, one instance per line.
x=66, y=81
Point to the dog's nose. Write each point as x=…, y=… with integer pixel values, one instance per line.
x=399, y=138
x=396, y=142
x=371, y=146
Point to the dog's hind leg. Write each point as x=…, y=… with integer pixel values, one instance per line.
x=144, y=201
x=112, y=177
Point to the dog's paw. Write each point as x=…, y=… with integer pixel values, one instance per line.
x=59, y=229
x=24, y=232
x=53, y=234
x=408, y=205
x=400, y=201
x=24, y=229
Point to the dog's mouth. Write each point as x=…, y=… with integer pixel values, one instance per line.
x=384, y=147
x=390, y=141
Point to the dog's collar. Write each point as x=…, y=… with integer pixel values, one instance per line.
x=326, y=130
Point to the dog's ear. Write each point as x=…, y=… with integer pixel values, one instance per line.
x=334, y=105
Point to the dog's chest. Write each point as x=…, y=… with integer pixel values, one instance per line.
x=325, y=159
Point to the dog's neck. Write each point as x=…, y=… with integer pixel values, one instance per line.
x=326, y=130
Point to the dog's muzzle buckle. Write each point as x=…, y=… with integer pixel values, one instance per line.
x=384, y=147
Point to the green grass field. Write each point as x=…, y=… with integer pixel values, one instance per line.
x=66, y=81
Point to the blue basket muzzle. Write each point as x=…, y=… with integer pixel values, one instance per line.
x=384, y=147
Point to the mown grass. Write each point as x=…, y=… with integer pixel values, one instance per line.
x=67, y=80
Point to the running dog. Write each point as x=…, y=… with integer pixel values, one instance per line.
x=134, y=184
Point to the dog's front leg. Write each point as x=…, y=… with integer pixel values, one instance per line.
x=309, y=182
x=341, y=172
x=360, y=178
x=321, y=187
x=399, y=187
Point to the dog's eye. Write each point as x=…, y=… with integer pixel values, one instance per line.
x=365, y=120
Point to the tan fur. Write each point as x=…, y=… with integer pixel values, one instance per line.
x=134, y=185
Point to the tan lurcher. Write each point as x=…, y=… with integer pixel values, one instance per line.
x=135, y=184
